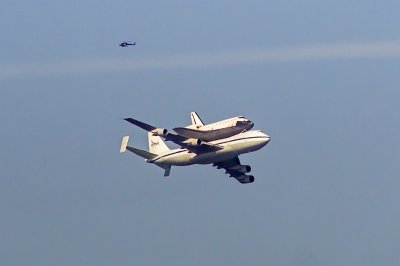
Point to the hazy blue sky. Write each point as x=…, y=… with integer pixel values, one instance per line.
x=321, y=78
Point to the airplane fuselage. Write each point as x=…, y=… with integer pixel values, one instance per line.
x=245, y=142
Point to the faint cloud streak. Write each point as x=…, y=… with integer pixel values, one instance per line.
x=371, y=50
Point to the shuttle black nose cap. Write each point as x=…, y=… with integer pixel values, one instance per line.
x=248, y=124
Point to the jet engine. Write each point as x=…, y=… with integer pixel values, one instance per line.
x=193, y=142
x=244, y=179
x=242, y=168
x=162, y=132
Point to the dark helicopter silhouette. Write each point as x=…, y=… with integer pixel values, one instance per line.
x=125, y=44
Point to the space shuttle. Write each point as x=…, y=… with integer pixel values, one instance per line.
x=218, y=130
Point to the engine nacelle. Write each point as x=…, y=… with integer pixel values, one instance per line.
x=245, y=179
x=242, y=168
x=162, y=132
x=193, y=142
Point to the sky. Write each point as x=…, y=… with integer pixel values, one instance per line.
x=321, y=78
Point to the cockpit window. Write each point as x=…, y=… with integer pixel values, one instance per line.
x=241, y=117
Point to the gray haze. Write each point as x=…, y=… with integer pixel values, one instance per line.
x=327, y=185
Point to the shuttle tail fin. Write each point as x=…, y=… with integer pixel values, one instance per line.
x=196, y=120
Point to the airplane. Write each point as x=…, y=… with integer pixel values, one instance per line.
x=125, y=44
x=222, y=153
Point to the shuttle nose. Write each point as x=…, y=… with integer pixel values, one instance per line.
x=245, y=123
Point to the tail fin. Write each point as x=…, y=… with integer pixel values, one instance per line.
x=156, y=144
x=124, y=144
x=196, y=120
x=141, y=153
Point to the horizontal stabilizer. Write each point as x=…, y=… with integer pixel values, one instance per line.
x=141, y=153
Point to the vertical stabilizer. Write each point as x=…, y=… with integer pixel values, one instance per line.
x=124, y=144
x=156, y=144
x=196, y=120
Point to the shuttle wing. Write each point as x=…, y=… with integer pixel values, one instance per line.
x=200, y=134
x=235, y=169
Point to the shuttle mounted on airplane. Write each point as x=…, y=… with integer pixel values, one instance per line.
x=218, y=144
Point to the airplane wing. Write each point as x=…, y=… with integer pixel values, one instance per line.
x=235, y=169
x=192, y=144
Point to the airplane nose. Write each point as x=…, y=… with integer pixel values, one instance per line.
x=263, y=141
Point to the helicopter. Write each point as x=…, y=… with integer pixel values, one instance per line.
x=125, y=44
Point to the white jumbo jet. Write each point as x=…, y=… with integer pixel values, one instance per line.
x=222, y=153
